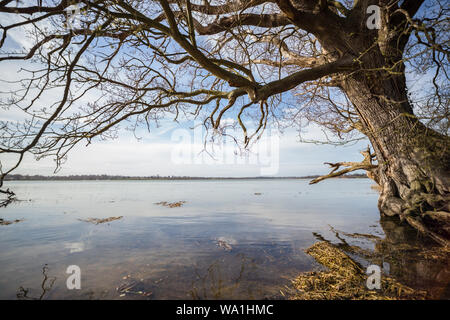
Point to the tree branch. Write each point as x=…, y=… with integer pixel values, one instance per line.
x=366, y=164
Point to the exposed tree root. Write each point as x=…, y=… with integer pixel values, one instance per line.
x=418, y=203
x=425, y=212
x=416, y=223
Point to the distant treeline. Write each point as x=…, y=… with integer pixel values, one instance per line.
x=19, y=177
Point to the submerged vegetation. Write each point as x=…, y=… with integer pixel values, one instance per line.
x=98, y=221
x=4, y=222
x=224, y=245
x=176, y=204
x=131, y=286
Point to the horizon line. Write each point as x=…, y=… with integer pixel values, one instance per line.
x=15, y=177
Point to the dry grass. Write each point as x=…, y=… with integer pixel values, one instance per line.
x=345, y=279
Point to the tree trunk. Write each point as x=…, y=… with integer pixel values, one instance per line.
x=413, y=160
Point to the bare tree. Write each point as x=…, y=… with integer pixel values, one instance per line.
x=345, y=62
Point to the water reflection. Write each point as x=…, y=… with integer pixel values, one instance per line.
x=228, y=245
x=216, y=282
x=243, y=271
x=46, y=286
x=403, y=254
x=418, y=262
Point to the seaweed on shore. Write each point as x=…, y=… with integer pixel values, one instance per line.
x=8, y=222
x=171, y=204
x=344, y=279
x=98, y=221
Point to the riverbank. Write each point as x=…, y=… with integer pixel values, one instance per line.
x=346, y=275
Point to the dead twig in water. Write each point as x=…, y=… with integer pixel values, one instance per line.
x=22, y=293
x=129, y=287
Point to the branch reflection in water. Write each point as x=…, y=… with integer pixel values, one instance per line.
x=46, y=286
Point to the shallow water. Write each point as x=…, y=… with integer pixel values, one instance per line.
x=176, y=253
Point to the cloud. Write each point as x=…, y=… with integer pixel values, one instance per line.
x=75, y=247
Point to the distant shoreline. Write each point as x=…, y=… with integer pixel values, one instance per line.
x=19, y=177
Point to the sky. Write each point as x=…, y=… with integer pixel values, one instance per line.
x=155, y=156
x=177, y=151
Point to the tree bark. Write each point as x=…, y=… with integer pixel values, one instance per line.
x=413, y=160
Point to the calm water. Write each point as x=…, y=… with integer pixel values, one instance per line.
x=175, y=253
